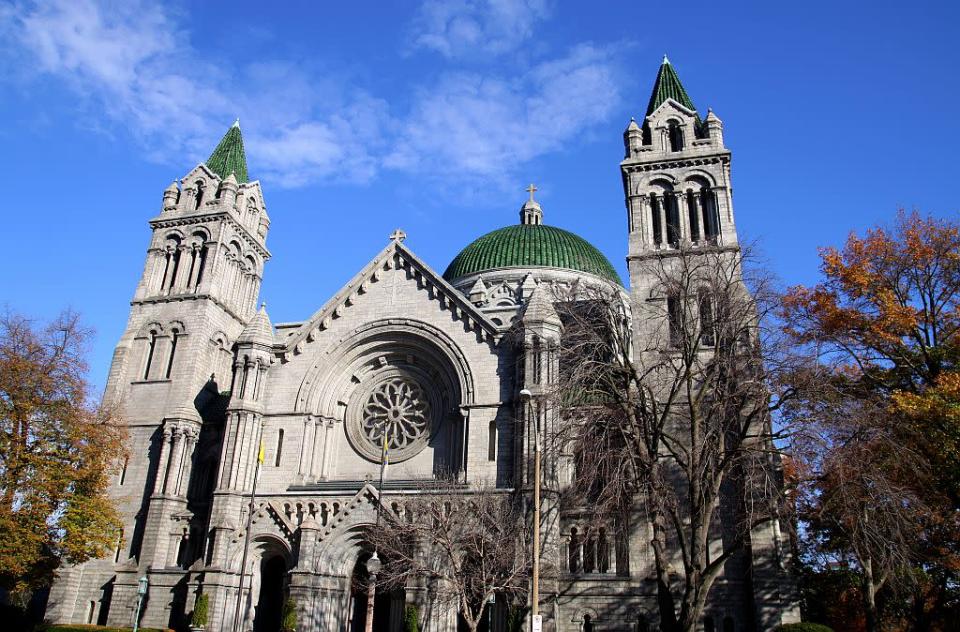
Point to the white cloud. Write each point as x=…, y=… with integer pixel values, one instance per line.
x=134, y=69
x=489, y=126
x=457, y=28
x=133, y=61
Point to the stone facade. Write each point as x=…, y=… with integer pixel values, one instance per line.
x=209, y=386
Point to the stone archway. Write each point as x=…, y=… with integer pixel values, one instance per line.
x=273, y=572
x=266, y=584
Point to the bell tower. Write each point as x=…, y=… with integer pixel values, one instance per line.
x=175, y=362
x=676, y=176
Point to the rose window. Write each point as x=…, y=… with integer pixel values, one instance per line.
x=399, y=408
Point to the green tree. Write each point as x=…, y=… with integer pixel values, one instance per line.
x=56, y=453
x=881, y=430
x=288, y=618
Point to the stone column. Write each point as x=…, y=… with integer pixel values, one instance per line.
x=163, y=460
x=183, y=484
x=306, y=447
x=195, y=262
x=176, y=458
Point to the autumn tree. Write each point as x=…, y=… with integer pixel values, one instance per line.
x=881, y=333
x=56, y=452
x=672, y=411
x=466, y=547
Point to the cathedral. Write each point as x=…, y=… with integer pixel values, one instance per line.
x=218, y=400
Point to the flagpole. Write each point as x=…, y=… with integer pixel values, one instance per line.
x=246, y=539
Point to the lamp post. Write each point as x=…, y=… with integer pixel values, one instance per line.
x=373, y=567
x=374, y=564
x=525, y=397
x=142, y=584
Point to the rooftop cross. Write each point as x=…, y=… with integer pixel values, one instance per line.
x=398, y=235
x=531, y=189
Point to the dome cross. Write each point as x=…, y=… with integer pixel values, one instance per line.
x=531, y=190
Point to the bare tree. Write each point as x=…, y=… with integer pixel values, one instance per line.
x=671, y=412
x=467, y=545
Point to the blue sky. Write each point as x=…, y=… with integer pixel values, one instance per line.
x=360, y=117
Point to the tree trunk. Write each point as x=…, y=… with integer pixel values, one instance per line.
x=870, y=597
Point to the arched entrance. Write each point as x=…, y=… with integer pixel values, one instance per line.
x=387, y=606
x=273, y=571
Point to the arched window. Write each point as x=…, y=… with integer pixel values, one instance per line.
x=728, y=625
x=200, y=192
x=694, y=216
x=674, y=318
x=590, y=555
x=642, y=625
x=171, y=262
x=708, y=625
x=587, y=623
x=705, y=307
x=711, y=218
x=492, y=441
x=91, y=610
x=675, y=135
x=174, y=337
x=673, y=220
x=655, y=201
x=573, y=554
x=151, y=349
x=603, y=552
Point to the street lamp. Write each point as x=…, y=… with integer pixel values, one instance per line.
x=373, y=567
x=142, y=584
x=525, y=397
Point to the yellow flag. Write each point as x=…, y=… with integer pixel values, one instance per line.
x=260, y=454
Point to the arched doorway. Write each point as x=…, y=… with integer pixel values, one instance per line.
x=273, y=571
x=387, y=605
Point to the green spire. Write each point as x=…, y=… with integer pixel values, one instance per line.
x=668, y=86
x=229, y=156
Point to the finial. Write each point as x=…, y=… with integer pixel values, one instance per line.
x=236, y=123
x=398, y=235
x=665, y=60
x=263, y=305
x=531, y=190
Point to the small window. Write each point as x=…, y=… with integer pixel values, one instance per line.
x=675, y=133
x=492, y=441
x=151, y=348
x=705, y=307
x=276, y=459
x=200, y=191
x=174, y=336
x=708, y=624
x=728, y=625
x=655, y=216
x=119, y=548
x=674, y=318
x=573, y=556
x=123, y=471
x=587, y=623
x=91, y=610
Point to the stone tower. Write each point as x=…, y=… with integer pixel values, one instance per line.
x=196, y=295
x=677, y=187
x=676, y=177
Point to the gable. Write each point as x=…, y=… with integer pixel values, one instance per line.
x=402, y=267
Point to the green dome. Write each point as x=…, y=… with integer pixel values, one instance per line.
x=530, y=245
